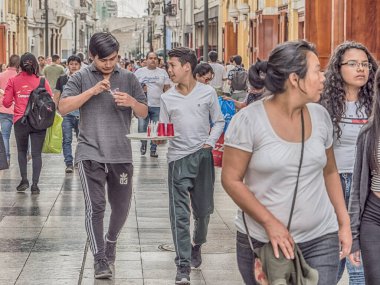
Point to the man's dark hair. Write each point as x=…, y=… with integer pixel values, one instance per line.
x=81, y=56
x=55, y=57
x=238, y=59
x=184, y=55
x=103, y=44
x=213, y=56
x=74, y=58
x=14, y=61
x=41, y=56
x=147, y=55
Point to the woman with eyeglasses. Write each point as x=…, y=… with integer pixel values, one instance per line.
x=348, y=97
x=204, y=73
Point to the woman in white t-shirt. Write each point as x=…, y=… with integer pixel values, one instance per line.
x=348, y=96
x=260, y=166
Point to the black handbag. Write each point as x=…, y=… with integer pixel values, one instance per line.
x=3, y=155
x=282, y=271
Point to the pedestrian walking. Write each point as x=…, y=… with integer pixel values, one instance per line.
x=219, y=71
x=364, y=205
x=103, y=152
x=70, y=121
x=54, y=70
x=348, y=96
x=190, y=106
x=237, y=79
x=6, y=114
x=262, y=151
x=17, y=92
x=157, y=82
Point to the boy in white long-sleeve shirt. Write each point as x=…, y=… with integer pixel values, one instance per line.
x=189, y=106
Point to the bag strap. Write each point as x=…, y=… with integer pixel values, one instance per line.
x=42, y=82
x=296, y=187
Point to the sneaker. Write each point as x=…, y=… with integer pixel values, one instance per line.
x=69, y=169
x=35, y=189
x=183, y=275
x=143, y=149
x=110, y=250
x=196, y=257
x=102, y=269
x=153, y=154
x=24, y=184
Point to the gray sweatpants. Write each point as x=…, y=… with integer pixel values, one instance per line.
x=94, y=177
x=190, y=179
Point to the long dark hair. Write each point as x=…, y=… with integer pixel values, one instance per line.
x=29, y=64
x=373, y=127
x=334, y=96
x=286, y=58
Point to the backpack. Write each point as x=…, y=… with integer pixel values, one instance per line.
x=40, y=110
x=239, y=80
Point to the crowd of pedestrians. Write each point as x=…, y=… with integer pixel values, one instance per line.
x=301, y=155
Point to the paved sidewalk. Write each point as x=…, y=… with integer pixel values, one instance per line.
x=43, y=239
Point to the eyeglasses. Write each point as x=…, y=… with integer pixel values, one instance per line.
x=207, y=79
x=355, y=64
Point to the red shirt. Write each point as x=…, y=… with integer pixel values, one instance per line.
x=18, y=91
x=4, y=77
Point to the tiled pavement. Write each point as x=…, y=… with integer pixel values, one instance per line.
x=43, y=239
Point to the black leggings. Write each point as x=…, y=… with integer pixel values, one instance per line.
x=22, y=133
x=370, y=240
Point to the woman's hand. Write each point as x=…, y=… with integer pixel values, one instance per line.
x=355, y=258
x=345, y=239
x=279, y=236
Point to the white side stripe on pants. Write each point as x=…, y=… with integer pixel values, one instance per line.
x=88, y=214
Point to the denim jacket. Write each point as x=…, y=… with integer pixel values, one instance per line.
x=361, y=184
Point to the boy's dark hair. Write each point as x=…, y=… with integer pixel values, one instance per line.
x=74, y=58
x=238, y=59
x=213, y=56
x=55, y=57
x=202, y=69
x=103, y=44
x=184, y=55
x=14, y=61
x=81, y=56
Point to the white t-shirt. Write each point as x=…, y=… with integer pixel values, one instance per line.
x=155, y=80
x=220, y=74
x=190, y=115
x=272, y=172
x=345, y=147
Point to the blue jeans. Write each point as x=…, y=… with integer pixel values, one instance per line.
x=69, y=124
x=321, y=254
x=356, y=274
x=6, y=123
x=153, y=115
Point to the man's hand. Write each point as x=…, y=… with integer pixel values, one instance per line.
x=124, y=99
x=101, y=86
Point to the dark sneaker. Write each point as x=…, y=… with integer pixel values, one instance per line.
x=110, y=250
x=143, y=149
x=183, y=275
x=69, y=169
x=153, y=154
x=102, y=269
x=196, y=257
x=35, y=189
x=24, y=184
